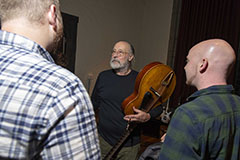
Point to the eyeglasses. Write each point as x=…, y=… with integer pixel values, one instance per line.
x=119, y=52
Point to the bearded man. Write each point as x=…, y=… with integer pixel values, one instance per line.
x=111, y=88
x=35, y=93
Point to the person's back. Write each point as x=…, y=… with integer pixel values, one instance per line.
x=214, y=127
x=35, y=94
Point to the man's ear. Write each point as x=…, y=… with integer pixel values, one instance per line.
x=203, y=65
x=52, y=17
x=130, y=58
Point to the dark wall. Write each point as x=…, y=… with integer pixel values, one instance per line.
x=201, y=20
x=66, y=53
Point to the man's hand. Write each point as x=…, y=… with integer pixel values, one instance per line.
x=140, y=116
x=163, y=137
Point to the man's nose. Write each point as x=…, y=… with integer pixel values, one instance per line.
x=115, y=55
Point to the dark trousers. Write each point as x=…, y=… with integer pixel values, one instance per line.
x=126, y=153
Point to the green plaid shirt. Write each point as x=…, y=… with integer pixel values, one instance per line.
x=206, y=127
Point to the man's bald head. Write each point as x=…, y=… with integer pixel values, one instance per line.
x=212, y=61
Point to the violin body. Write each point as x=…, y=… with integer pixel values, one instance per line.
x=151, y=79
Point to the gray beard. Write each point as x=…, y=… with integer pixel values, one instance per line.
x=116, y=64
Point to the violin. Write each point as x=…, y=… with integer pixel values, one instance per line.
x=155, y=80
x=154, y=84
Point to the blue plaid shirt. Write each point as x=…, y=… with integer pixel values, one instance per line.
x=207, y=127
x=34, y=93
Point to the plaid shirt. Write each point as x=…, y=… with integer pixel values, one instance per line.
x=34, y=93
x=207, y=127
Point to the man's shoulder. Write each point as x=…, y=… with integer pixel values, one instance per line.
x=61, y=75
x=50, y=75
x=134, y=72
x=108, y=72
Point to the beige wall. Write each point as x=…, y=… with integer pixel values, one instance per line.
x=145, y=23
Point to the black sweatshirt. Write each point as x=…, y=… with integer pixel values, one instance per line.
x=108, y=94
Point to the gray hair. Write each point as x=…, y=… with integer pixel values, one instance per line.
x=132, y=50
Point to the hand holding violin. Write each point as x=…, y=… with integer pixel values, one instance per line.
x=139, y=116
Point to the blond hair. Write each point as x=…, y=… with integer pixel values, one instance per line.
x=33, y=10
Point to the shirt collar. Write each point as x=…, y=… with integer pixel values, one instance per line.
x=18, y=41
x=220, y=89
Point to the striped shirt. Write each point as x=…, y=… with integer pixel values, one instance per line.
x=206, y=127
x=34, y=93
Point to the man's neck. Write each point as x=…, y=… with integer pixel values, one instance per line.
x=24, y=28
x=210, y=84
x=123, y=72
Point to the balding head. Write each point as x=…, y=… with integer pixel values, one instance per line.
x=210, y=62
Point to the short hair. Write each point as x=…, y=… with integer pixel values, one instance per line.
x=132, y=50
x=33, y=10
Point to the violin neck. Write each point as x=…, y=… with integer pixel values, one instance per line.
x=112, y=153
